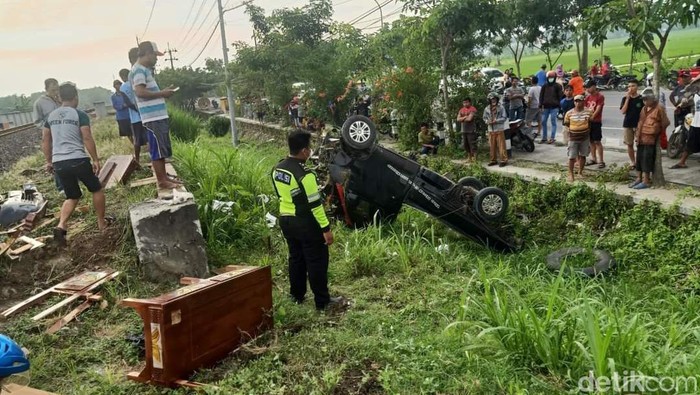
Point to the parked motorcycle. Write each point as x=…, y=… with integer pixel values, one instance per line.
x=679, y=137
x=521, y=135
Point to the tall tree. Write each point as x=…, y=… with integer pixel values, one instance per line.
x=458, y=28
x=648, y=23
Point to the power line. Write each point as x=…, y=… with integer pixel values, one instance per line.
x=189, y=13
x=148, y=23
x=368, y=13
x=206, y=44
x=184, y=43
x=194, y=21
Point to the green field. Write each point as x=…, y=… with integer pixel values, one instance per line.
x=680, y=43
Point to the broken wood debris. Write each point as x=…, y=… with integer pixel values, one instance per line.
x=78, y=287
x=117, y=170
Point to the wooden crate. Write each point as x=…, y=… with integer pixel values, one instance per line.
x=199, y=324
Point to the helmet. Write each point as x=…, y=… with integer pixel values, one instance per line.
x=492, y=95
x=12, y=358
x=648, y=94
x=551, y=74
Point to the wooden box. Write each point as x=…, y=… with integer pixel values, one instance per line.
x=199, y=324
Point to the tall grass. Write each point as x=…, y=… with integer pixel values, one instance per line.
x=183, y=126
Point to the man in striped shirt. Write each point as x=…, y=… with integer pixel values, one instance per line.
x=577, y=120
x=154, y=115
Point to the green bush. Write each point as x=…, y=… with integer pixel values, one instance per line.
x=218, y=126
x=183, y=125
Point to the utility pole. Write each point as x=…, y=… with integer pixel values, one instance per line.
x=170, y=56
x=229, y=93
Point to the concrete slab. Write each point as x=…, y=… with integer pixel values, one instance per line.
x=169, y=240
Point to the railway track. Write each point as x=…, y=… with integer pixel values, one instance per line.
x=16, y=129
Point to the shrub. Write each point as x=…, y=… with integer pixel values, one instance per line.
x=218, y=126
x=183, y=125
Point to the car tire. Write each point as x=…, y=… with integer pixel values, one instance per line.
x=676, y=145
x=471, y=182
x=491, y=204
x=604, y=262
x=528, y=145
x=359, y=132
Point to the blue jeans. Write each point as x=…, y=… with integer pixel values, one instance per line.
x=428, y=150
x=517, y=113
x=551, y=113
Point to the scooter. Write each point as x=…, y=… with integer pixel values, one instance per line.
x=521, y=135
x=679, y=137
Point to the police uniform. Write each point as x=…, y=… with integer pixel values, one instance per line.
x=303, y=222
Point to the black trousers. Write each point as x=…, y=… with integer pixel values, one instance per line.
x=308, y=255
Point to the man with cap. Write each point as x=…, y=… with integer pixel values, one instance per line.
x=578, y=121
x=154, y=115
x=652, y=122
x=681, y=108
x=594, y=102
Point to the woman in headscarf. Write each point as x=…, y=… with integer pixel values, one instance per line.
x=560, y=74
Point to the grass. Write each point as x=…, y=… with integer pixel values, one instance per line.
x=680, y=43
x=464, y=320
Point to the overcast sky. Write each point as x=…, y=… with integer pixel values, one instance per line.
x=86, y=41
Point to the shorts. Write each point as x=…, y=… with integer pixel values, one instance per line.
x=645, y=158
x=124, y=127
x=73, y=170
x=579, y=148
x=158, y=133
x=693, y=144
x=469, y=142
x=596, y=132
x=628, y=135
x=140, y=138
x=530, y=115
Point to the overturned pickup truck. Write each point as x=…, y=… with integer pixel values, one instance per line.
x=364, y=181
x=18, y=205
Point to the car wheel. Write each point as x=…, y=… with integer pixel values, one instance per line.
x=675, y=145
x=491, y=203
x=528, y=145
x=604, y=261
x=471, y=182
x=359, y=132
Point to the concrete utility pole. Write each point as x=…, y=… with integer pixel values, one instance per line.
x=170, y=56
x=229, y=93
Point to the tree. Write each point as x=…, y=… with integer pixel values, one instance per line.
x=458, y=28
x=648, y=23
x=511, y=30
x=544, y=27
x=193, y=84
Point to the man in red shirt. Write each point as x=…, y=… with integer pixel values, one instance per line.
x=576, y=83
x=594, y=103
x=466, y=118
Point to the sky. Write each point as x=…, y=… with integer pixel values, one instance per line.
x=86, y=41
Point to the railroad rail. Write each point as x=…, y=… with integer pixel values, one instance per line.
x=7, y=132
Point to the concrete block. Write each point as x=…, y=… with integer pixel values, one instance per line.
x=169, y=240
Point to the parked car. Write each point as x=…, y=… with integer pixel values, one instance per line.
x=364, y=182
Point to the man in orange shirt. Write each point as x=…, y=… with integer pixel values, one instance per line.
x=576, y=83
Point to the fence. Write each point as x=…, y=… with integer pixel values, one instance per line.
x=13, y=119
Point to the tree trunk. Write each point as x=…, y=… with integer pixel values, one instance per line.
x=578, y=50
x=445, y=95
x=498, y=61
x=659, y=180
x=583, y=64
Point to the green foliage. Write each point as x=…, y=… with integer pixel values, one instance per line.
x=218, y=126
x=183, y=125
x=193, y=83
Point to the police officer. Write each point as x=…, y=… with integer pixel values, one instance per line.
x=303, y=222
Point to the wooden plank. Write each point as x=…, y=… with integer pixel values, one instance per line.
x=125, y=166
x=73, y=297
x=69, y=317
x=106, y=172
x=82, y=281
x=44, y=224
x=145, y=181
x=32, y=242
x=20, y=250
x=6, y=245
x=189, y=280
x=27, y=303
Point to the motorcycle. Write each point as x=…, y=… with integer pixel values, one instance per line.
x=521, y=136
x=679, y=137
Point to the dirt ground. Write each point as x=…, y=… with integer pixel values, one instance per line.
x=47, y=266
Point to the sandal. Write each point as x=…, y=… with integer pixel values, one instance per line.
x=679, y=166
x=59, y=236
x=591, y=162
x=641, y=185
x=601, y=165
x=550, y=141
x=492, y=163
x=634, y=184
